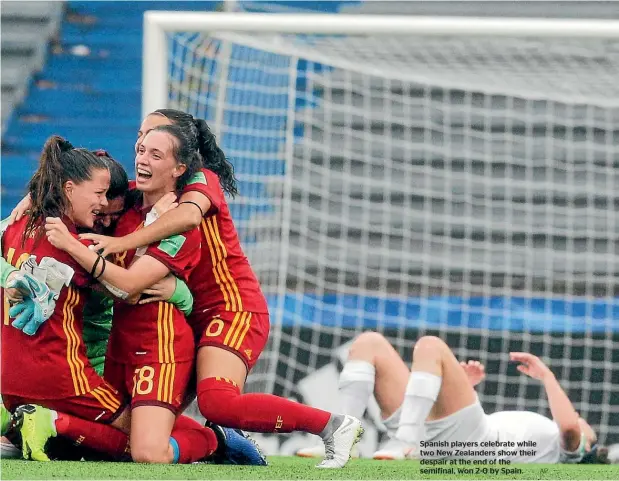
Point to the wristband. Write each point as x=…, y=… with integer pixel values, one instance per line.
x=182, y=297
x=7, y=270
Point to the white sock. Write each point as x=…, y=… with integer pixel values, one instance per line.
x=392, y=423
x=421, y=393
x=355, y=387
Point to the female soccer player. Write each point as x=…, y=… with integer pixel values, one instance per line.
x=51, y=368
x=230, y=317
x=151, y=347
x=433, y=406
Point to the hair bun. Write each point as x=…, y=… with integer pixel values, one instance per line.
x=65, y=145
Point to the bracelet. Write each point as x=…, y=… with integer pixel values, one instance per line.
x=102, y=269
x=94, y=266
x=192, y=202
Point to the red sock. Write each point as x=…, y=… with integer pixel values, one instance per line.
x=194, y=441
x=101, y=437
x=221, y=402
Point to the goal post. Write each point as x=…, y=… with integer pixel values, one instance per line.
x=418, y=175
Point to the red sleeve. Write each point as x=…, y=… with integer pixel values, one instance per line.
x=179, y=253
x=206, y=183
x=81, y=278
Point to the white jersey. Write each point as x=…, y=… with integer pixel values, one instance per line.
x=517, y=436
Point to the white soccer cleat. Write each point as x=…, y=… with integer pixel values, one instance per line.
x=338, y=447
x=395, y=450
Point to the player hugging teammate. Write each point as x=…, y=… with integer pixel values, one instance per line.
x=229, y=323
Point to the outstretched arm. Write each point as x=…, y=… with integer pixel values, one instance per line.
x=186, y=216
x=123, y=283
x=561, y=407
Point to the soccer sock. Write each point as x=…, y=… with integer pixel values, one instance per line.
x=392, y=423
x=421, y=393
x=355, y=387
x=101, y=437
x=191, y=441
x=221, y=402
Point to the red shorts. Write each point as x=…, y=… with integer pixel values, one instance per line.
x=103, y=404
x=151, y=384
x=242, y=333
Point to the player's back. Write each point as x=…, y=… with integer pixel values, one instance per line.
x=224, y=278
x=536, y=438
x=53, y=362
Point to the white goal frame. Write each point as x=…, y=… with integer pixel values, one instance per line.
x=158, y=23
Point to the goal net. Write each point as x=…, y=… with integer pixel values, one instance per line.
x=464, y=186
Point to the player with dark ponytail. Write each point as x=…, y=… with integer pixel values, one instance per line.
x=230, y=319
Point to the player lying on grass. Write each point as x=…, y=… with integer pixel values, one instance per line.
x=51, y=368
x=433, y=406
x=230, y=319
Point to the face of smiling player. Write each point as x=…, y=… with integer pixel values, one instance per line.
x=156, y=167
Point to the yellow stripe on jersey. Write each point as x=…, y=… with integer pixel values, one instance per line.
x=160, y=330
x=9, y=258
x=79, y=364
x=214, y=260
x=76, y=366
x=171, y=327
x=244, y=333
x=231, y=329
x=109, y=396
x=162, y=378
x=232, y=283
x=171, y=376
x=105, y=401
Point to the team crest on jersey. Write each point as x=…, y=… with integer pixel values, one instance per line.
x=172, y=245
x=197, y=178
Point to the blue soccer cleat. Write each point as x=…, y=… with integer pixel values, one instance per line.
x=236, y=447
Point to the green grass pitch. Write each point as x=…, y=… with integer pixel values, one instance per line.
x=285, y=468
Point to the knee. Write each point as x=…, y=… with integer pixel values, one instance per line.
x=368, y=345
x=151, y=452
x=429, y=346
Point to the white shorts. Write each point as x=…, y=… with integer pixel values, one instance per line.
x=468, y=425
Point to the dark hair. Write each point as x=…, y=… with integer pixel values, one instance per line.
x=213, y=158
x=184, y=152
x=59, y=163
x=597, y=455
x=119, y=182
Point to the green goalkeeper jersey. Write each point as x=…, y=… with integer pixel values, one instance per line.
x=97, y=326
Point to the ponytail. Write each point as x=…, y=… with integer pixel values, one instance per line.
x=214, y=158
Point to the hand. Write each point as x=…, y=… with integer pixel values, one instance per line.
x=531, y=365
x=104, y=245
x=160, y=291
x=20, y=209
x=58, y=234
x=28, y=316
x=38, y=294
x=475, y=371
x=166, y=203
x=13, y=294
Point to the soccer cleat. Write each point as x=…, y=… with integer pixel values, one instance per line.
x=236, y=447
x=36, y=425
x=394, y=450
x=6, y=419
x=339, y=446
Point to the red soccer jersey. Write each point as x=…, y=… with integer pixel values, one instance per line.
x=155, y=332
x=224, y=278
x=52, y=364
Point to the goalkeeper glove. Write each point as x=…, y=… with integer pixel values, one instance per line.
x=36, y=308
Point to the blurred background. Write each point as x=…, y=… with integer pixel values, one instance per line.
x=458, y=187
